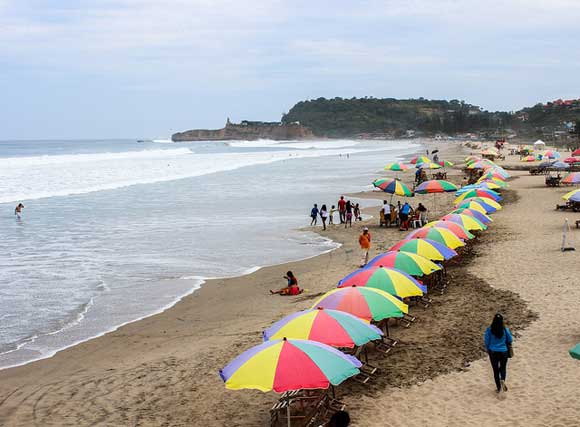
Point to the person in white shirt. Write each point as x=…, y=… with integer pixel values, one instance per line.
x=387, y=212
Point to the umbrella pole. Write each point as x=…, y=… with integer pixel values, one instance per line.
x=288, y=412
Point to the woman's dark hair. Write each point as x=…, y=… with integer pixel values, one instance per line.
x=497, y=327
x=289, y=274
x=339, y=419
x=323, y=208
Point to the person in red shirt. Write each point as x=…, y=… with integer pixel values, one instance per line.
x=292, y=288
x=342, y=209
x=364, y=241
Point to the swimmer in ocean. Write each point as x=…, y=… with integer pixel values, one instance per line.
x=18, y=210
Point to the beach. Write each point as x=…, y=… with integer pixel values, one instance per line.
x=163, y=370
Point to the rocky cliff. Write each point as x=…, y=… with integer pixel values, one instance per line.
x=247, y=130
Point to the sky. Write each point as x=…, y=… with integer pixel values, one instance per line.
x=149, y=68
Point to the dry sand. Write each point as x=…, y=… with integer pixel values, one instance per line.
x=162, y=371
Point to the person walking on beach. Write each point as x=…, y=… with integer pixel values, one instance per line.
x=348, y=220
x=18, y=210
x=404, y=216
x=364, y=240
x=498, y=341
x=357, y=216
x=323, y=216
x=291, y=289
x=314, y=215
x=331, y=215
x=342, y=209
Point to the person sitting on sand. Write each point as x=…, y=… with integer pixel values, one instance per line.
x=314, y=215
x=18, y=210
x=498, y=340
x=292, y=288
x=364, y=241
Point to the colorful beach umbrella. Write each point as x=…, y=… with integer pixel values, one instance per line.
x=551, y=154
x=426, y=248
x=571, y=160
x=441, y=235
x=492, y=183
x=332, y=327
x=481, y=217
x=485, y=200
x=405, y=261
x=283, y=365
x=390, y=280
x=393, y=186
x=573, y=195
x=559, y=165
x=478, y=192
x=575, y=351
x=397, y=167
x=529, y=159
x=576, y=152
x=573, y=178
x=466, y=221
x=445, y=163
x=435, y=186
x=427, y=165
x=455, y=228
x=480, y=206
x=420, y=159
x=365, y=303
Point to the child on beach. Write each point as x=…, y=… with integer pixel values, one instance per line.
x=323, y=216
x=364, y=241
x=357, y=216
x=291, y=289
x=331, y=215
x=498, y=341
x=314, y=215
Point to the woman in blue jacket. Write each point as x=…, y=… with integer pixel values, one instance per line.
x=497, y=339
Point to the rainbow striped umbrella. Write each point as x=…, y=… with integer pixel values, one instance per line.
x=471, y=158
x=572, y=160
x=529, y=159
x=466, y=221
x=397, y=167
x=408, y=262
x=551, y=154
x=573, y=178
x=365, y=303
x=393, y=186
x=492, y=174
x=420, y=159
x=485, y=185
x=331, y=327
x=572, y=195
x=435, y=186
x=283, y=365
x=455, y=228
x=482, y=200
x=445, y=163
x=479, y=192
x=492, y=183
x=427, y=165
x=478, y=206
x=394, y=282
x=441, y=235
x=426, y=248
x=481, y=217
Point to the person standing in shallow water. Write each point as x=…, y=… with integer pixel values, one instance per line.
x=498, y=340
x=18, y=210
x=323, y=216
x=314, y=215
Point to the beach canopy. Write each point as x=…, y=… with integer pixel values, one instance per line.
x=363, y=302
x=539, y=144
x=441, y=235
x=284, y=365
x=573, y=196
x=332, y=327
x=397, y=167
x=390, y=280
x=435, y=186
x=477, y=205
x=482, y=201
x=393, y=186
x=455, y=228
x=480, y=216
x=478, y=192
x=408, y=262
x=466, y=221
x=573, y=178
x=426, y=248
x=420, y=159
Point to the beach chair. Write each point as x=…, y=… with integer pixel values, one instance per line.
x=300, y=405
x=416, y=221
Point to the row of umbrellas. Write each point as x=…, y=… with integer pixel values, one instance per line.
x=300, y=351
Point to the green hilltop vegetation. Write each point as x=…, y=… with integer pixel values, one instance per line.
x=340, y=117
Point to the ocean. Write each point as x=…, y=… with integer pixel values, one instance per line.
x=109, y=225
